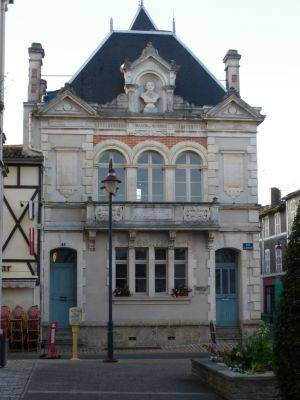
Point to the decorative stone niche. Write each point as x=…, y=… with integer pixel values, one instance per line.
x=149, y=82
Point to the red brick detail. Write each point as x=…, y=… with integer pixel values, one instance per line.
x=168, y=141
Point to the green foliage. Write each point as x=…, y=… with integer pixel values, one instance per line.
x=122, y=292
x=287, y=321
x=254, y=355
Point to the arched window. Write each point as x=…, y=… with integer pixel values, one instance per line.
x=119, y=163
x=188, y=177
x=150, y=177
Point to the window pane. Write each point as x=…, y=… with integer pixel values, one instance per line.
x=142, y=174
x=140, y=285
x=181, y=159
x=104, y=158
x=117, y=157
x=157, y=174
x=179, y=283
x=160, y=270
x=218, y=281
x=160, y=254
x=143, y=158
x=158, y=189
x=121, y=271
x=140, y=270
x=121, y=191
x=141, y=254
x=180, y=254
x=180, y=175
x=156, y=158
x=194, y=158
x=121, y=283
x=232, y=281
x=121, y=253
x=142, y=191
x=179, y=270
x=158, y=196
x=180, y=191
x=195, y=175
x=225, y=281
x=160, y=285
x=195, y=189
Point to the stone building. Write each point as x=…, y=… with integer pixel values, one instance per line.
x=186, y=214
x=276, y=222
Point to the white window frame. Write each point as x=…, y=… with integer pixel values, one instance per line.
x=149, y=167
x=267, y=261
x=142, y=261
x=123, y=262
x=277, y=222
x=266, y=227
x=104, y=166
x=278, y=258
x=161, y=262
x=188, y=167
x=185, y=261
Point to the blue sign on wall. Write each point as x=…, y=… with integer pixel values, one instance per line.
x=247, y=246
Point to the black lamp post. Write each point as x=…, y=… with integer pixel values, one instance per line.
x=111, y=185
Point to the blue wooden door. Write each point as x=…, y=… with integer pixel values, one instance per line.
x=226, y=294
x=63, y=292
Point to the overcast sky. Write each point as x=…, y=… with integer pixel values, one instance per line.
x=265, y=32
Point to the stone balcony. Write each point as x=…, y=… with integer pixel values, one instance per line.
x=152, y=216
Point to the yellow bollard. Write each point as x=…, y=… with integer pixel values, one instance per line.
x=75, y=329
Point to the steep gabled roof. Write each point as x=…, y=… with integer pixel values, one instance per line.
x=100, y=81
x=142, y=21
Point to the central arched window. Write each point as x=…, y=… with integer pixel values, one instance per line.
x=188, y=177
x=119, y=163
x=150, y=177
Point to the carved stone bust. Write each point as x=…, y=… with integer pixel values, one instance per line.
x=150, y=97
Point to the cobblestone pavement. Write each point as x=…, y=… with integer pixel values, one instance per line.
x=14, y=378
x=129, y=379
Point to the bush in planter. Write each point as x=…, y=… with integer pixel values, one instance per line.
x=180, y=291
x=122, y=292
x=287, y=320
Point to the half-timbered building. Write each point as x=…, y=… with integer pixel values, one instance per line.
x=185, y=219
x=21, y=221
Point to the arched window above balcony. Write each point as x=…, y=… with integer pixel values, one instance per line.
x=119, y=164
x=150, y=177
x=188, y=180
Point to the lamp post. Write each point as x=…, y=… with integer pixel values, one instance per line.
x=111, y=185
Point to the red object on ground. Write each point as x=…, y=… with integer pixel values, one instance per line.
x=52, y=352
x=31, y=241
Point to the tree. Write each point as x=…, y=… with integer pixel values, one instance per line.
x=287, y=321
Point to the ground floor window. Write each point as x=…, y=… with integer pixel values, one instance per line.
x=151, y=275
x=269, y=297
x=180, y=268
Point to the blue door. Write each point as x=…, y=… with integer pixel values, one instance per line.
x=226, y=294
x=63, y=287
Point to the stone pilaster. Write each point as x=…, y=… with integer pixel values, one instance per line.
x=131, y=261
x=172, y=237
x=211, y=265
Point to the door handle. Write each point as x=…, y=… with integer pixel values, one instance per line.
x=63, y=298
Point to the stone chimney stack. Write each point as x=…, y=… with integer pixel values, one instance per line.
x=232, y=66
x=35, y=89
x=275, y=196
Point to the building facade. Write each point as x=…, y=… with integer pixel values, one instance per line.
x=22, y=216
x=3, y=9
x=186, y=214
x=276, y=224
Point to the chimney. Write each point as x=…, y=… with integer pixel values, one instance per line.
x=36, y=55
x=275, y=196
x=231, y=61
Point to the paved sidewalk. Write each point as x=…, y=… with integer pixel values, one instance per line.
x=129, y=379
x=14, y=378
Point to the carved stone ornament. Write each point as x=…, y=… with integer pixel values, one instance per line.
x=196, y=214
x=131, y=239
x=150, y=97
x=102, y=213
x=92, y=240
x=172, y=237
x=210, y=240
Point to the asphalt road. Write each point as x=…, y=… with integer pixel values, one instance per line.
x=129, y=379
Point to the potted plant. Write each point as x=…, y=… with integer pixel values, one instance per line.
x=180, y=291
x=122, y=292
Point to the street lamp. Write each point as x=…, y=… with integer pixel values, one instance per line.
x=111, y=185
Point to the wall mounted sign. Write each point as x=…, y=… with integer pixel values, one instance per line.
x=247, y=246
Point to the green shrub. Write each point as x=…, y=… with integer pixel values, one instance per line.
x=287, y=321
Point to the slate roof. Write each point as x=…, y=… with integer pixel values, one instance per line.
x=15, y=152
x=99, y=80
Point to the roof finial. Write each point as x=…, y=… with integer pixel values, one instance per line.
x=174, y=24
x=111, y=24
x=141, y=3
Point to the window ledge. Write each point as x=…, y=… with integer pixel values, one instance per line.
x=151, y=300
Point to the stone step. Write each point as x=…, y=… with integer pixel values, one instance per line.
x=230, y=333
